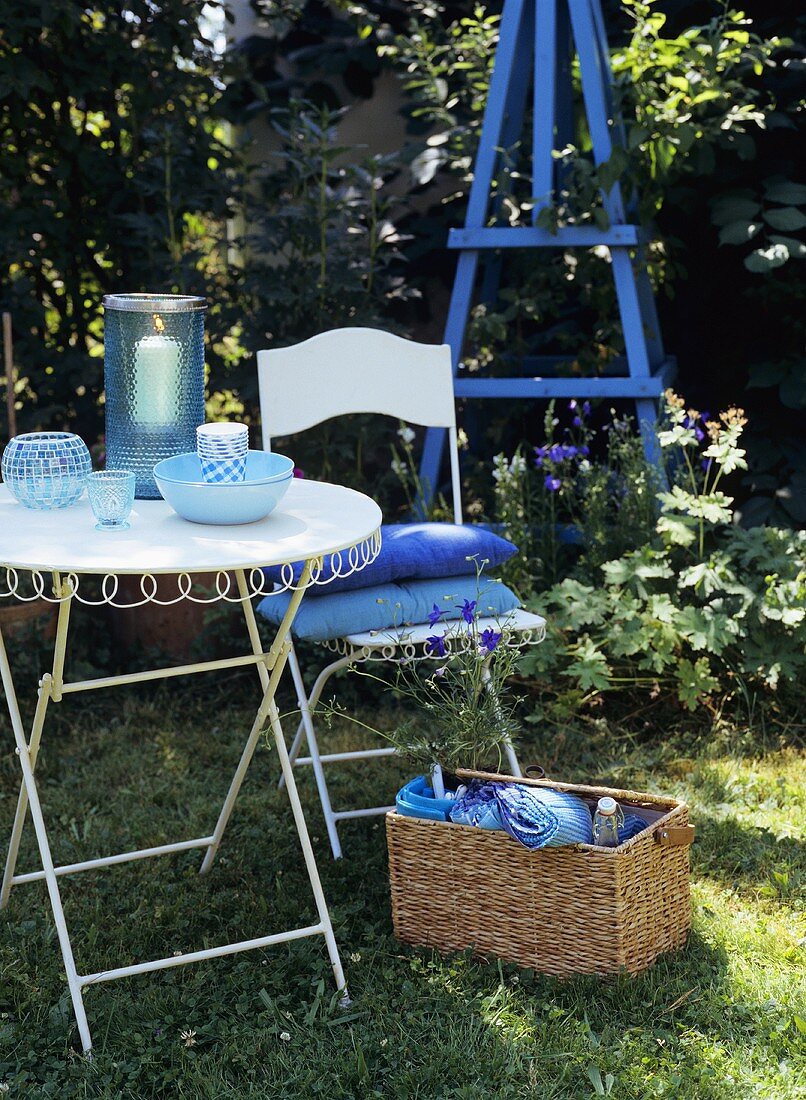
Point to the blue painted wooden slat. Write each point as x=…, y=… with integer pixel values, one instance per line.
x=530, y=236
x=541, y=388
x=544, y=103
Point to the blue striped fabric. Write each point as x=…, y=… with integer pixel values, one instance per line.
x=521, y=805
x=537, y=817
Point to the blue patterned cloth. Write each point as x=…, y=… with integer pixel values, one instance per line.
x=536, y=817
x=631, y=826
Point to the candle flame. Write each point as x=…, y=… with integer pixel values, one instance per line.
x=159, y=324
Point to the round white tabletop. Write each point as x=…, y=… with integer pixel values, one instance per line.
x=313, y=519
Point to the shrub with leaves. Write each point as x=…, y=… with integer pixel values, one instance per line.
x=703, y=608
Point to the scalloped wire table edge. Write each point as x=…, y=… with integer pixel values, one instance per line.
x=343, y=563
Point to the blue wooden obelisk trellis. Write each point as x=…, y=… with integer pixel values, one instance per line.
x=536, y=41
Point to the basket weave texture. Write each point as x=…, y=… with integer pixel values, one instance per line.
x=573, y=910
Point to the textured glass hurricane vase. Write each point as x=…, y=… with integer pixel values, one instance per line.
x=154, y=377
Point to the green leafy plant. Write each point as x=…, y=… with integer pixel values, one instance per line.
x=702, y=608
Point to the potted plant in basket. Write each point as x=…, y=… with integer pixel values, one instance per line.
x=462, y=714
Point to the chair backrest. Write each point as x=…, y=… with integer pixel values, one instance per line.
x=359, y=370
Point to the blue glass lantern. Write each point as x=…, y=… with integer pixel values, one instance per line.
x=154, y=377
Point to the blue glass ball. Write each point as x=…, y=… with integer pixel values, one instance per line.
x=46, y=469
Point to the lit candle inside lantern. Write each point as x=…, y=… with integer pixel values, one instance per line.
x=156, y=372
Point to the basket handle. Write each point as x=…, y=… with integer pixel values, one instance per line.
x=675, y=837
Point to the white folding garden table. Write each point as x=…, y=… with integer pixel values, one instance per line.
x=59, y=556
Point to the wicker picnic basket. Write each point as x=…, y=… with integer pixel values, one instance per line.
x=579, y=909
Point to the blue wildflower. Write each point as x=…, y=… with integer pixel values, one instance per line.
x=586, y=408
x=552, y=483
x=577, y=422
x=489, y=639
x=434, y=615
x=435, y=645
x=584, y=450
x=467, y=609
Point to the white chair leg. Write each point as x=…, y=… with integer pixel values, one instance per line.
x=512, y=759
x=310, y=701
x=305, y=706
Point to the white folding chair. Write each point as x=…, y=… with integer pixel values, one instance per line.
x=362, y=370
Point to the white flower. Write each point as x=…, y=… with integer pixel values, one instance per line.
x=188, y=1037
x=355, y=957
x=406, y=434
x=399, y=468
x=284, y=1035
x=384, y=1042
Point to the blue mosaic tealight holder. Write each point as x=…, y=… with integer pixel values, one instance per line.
x=46, y=469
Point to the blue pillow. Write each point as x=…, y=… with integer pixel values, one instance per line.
x=384, y=606
x=416, y=551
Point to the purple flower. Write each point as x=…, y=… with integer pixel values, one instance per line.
x=435, y=645
x=489, y=639
x=540, y=454
x=586, y=408
x=572, y=404
x=434, y=615
x=552, y=483
x=440, y=672
x=706, y=464
x=705, y=417
x=467, y=609
x=577, y=422
x=699, y=435
x=584, y=450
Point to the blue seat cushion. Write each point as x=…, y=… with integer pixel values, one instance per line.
x=384, y=606
x=414, y=551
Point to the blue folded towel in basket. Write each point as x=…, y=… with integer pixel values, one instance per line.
x=537, y=817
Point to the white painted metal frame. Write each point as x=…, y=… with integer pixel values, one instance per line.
x=52, y=688
x=362, y=370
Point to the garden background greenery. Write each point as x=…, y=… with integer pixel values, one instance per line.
x=675, y=658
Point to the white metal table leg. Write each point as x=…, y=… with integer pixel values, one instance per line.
x=44, y=849
x=49, y=688
x=275, y=660
x=307, y=852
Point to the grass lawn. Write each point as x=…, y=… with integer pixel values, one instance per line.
x=725, y=1018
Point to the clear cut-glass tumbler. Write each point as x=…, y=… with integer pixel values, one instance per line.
x=154, y=377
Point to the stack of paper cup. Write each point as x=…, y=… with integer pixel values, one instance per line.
x=222, y=449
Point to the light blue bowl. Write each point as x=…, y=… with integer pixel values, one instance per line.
x=266, y=482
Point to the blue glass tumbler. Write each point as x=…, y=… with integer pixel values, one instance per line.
x=154, y=378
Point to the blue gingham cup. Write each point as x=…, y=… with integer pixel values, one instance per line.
x=222, y=450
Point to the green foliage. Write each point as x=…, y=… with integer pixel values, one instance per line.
x=566, y=511
x=703, y=608
x=114, y=175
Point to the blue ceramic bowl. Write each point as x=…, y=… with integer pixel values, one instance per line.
x=266, y=482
